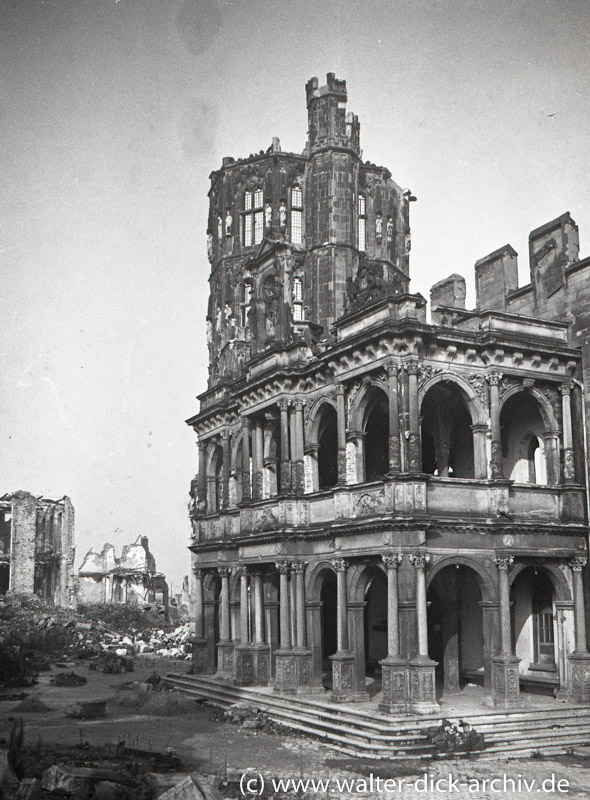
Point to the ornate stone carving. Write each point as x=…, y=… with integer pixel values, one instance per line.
x=283, y=567
x=494, y=377
x=339, y=564
x=224, y=572
x=578, y=563
x=477, y=380
x=565, y=389
x=371, y=283
x=392, y=561
x=426, y=371
x=503, y=562
x=419, y=560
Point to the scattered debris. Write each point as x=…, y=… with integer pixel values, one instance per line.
x=31, y=705
x=87, y=709
x=68, y=679
x=251, y=718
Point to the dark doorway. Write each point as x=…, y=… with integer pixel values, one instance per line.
x=377, y=440
x=329, y=607
x=328, y=449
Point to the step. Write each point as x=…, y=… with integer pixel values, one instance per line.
x=353, y=732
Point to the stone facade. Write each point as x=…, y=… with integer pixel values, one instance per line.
x=130, y=579
x=37, y=547
x=377, y=494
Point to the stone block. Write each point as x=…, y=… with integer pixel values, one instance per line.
x=29, y=789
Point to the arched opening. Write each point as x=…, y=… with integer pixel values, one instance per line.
x=375, y=620
x=328, y=600
x=327, y=448
x=455, y=627
x=522, y=431
x=272, y=460
x=215, y=481
x=534, y=627
x=376, y=430
x=447, y=439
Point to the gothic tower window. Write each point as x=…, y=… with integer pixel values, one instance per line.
x=253, y=217
x=297, y=299
x=296, y=215
x=244, y=304
x=362, y=222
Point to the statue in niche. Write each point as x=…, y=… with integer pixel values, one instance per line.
x=408, y=242
x=267, y=216
x=379, y=227
x=219, y=228
x=389, y=229
x=271, y=291
x=228, y=223
x=210, y=246
x=366, y=286
x=229, y=322
x=283, y=215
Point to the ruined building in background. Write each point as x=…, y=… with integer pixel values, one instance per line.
x=37, y=547
x=131, y=579
x=377, y=494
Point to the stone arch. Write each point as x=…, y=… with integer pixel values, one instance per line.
x=361, y=399
x=526, y=416
x=476, y=407
x=484, y=579
x=315, y=416
x=544, y=406
x=211, y=585
x=313, y=579
x=358, y=578
x=556, y=576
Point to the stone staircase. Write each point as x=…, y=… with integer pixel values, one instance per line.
x=550, y=730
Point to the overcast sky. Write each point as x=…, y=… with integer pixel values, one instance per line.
x=112, y=115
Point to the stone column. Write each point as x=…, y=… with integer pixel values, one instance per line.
x=285, y=481
x=496, y=463
x=343, y=683
x=293, y=665
x=246, y=487
x=198, y=640
x=284, y=609
x=299, y=570
x=258, y=609
x=226, y=468
x=479, y=451
x=394, y=668
x=341, y=422
x=551, y=440
x=244, y=605
x=579, y=690
x=258, y=459
x=225, y=646
x=569, y=466
x=414, y=453
x=299, y=474
x=394, y=442
x=202, y=477
x=505, y=664
x=421, y=667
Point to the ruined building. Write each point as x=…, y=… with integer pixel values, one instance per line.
x=376, y=493
x=37, y=547
x=131, y=579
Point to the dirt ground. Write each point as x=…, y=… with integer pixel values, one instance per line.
x=208, y=746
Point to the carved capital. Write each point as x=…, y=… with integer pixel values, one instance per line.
x=284, y=405
x=503, y=562
x=242, y=570
x=392, y=561
x=392, y=368
x=565, y=389
x=299, y=404
x=412, y=367
x=339, y=564
x=578, y=563
x=224, y=436
x=420, y=560
x=246, y=422
x=494, y=378
x=298, y=566
x=198, y=573
x=283, y=567
x=224, y=572
x=202, y=445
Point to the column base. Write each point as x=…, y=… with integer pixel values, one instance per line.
x=344, y=679
x=422, y=685
x=579, y=688
x=396, y=686
x=293, y=673
x=505, y=681
x=252, y=665
x=199, y=653
x=225, y=660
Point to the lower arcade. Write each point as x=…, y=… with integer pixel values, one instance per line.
x=392, y=615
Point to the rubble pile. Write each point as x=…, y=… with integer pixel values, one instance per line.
x=152, y=698
x=33, y=630
x=251, y=718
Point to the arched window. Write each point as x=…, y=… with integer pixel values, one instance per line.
x=297, y=299
x=296, y=215
x=362, y=222
x=328, y=448
x=447, y=439
x=253, y=218
x=244, y=304
x=376, y=444
x=523, y=447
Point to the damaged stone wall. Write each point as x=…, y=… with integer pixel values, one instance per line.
x=130, y=579
x=37, y=547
